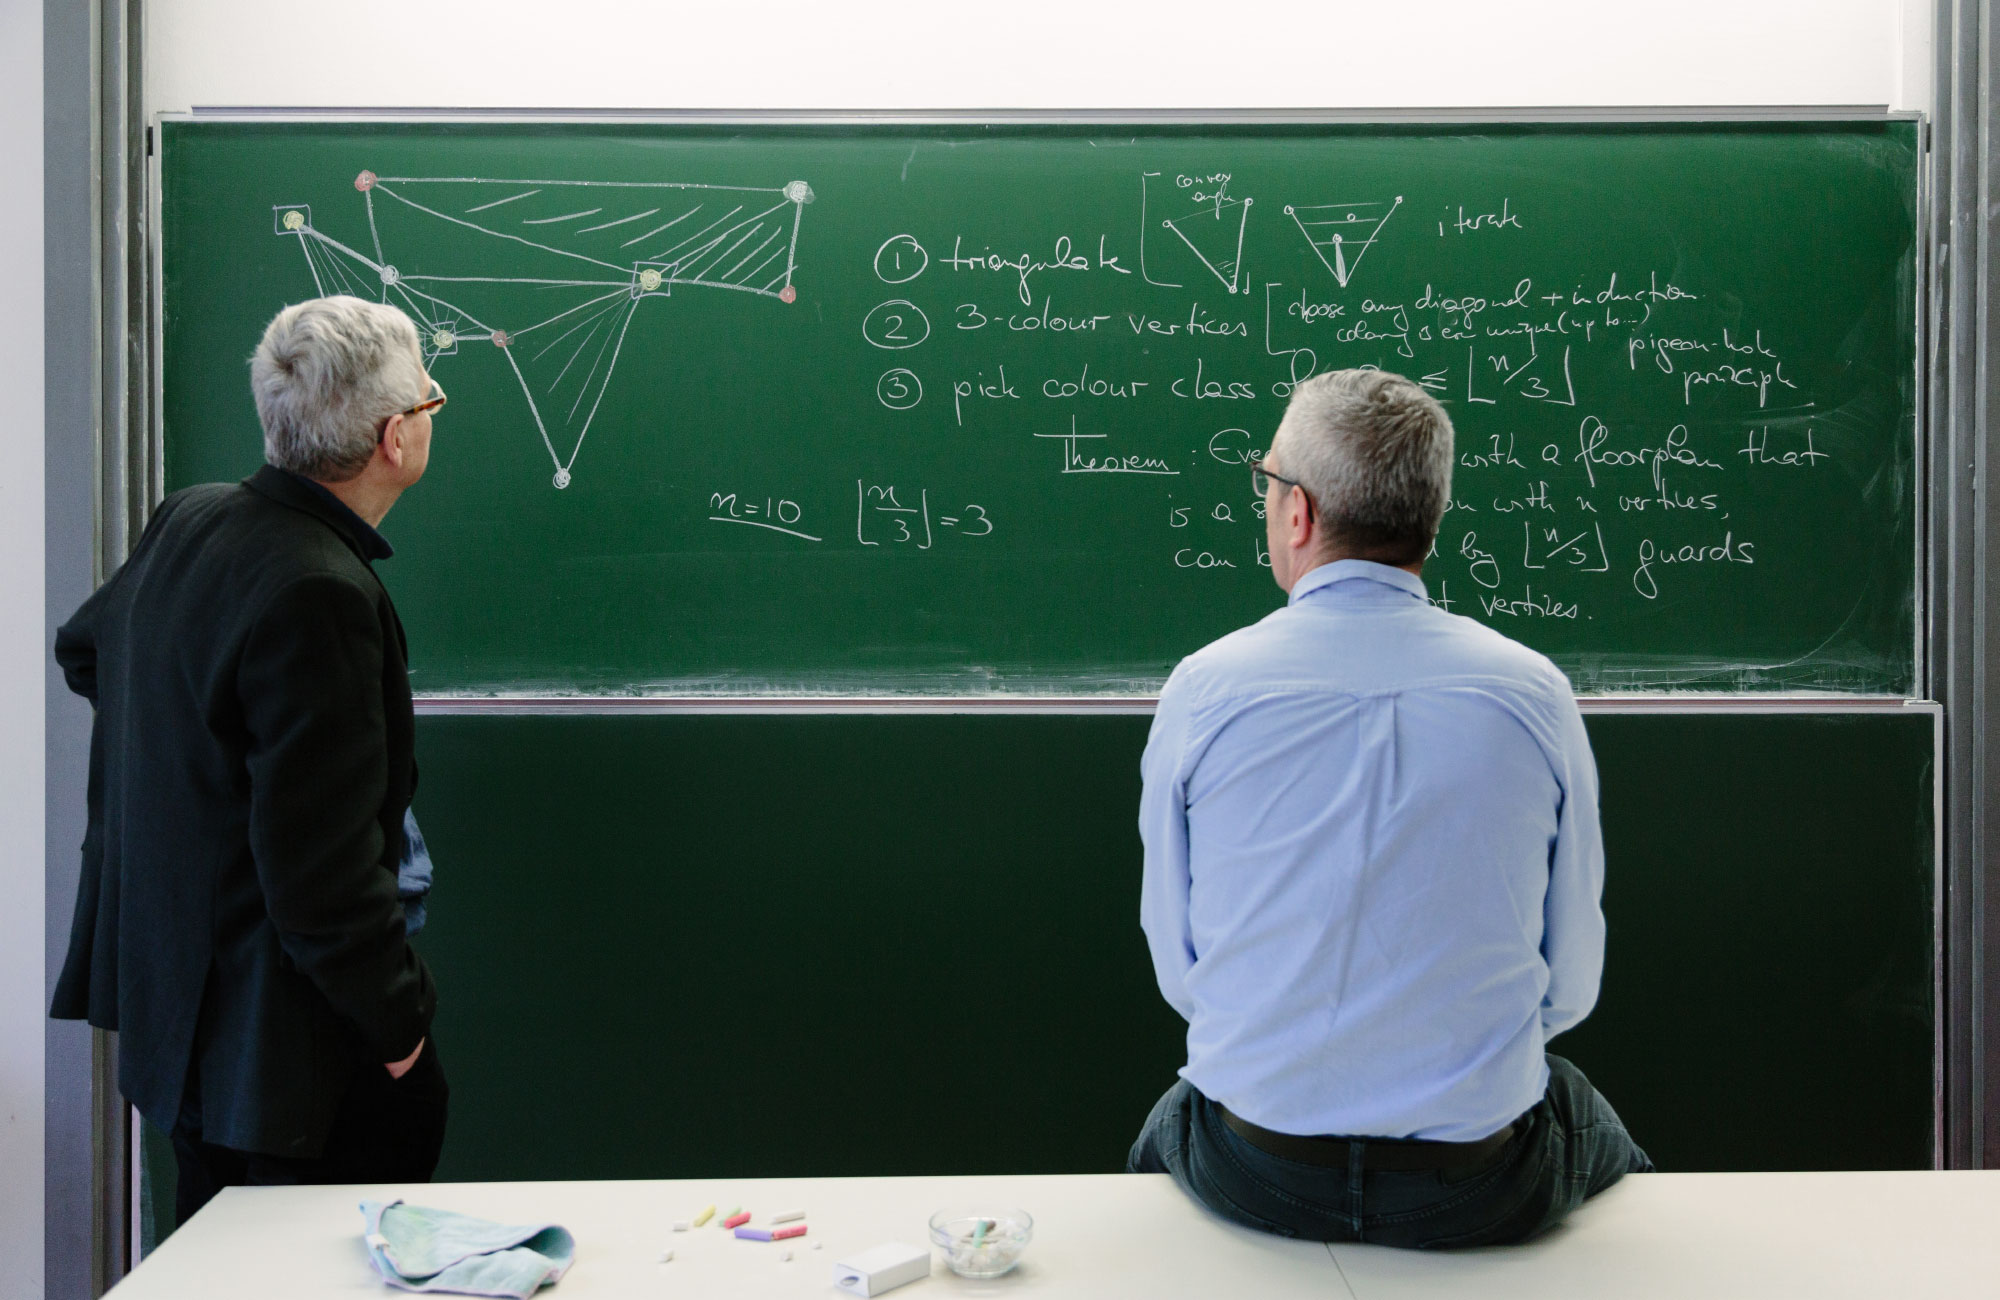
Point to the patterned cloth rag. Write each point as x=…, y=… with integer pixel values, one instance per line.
x=420, y=1249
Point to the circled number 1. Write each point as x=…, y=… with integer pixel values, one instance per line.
x=900, y=260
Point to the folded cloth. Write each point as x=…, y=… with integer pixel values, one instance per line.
x=421, y=1249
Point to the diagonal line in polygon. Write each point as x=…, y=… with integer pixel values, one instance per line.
x=1214, y=233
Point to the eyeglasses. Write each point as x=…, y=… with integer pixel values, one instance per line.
x=1260, y=479
x=430, y=403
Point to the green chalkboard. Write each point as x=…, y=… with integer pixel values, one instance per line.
x=689, y=947
x=739, y=947
x=964, y=409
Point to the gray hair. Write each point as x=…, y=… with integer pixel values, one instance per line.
x=1373, y=451
x=324, y=373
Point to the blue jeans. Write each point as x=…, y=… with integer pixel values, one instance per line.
x=1571, y=1146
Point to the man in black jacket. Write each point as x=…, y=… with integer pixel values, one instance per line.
x=237, y=921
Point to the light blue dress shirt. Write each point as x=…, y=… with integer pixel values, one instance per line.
x=1373, y=864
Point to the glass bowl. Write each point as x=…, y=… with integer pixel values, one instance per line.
x=983, y=1242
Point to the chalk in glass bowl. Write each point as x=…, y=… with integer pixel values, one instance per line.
x=982, y=1243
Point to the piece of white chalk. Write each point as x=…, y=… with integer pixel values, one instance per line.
x=666, y=1257
x=788, y=1216
x=785, y=1257
x=680, y=1225
x=378, y=1241
x=816, y=1245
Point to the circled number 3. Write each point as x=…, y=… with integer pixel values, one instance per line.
x=899, y=389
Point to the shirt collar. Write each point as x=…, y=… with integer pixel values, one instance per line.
x=301, y=493
x=1386, y=575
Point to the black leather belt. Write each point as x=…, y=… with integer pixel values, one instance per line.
x=1376, y=1153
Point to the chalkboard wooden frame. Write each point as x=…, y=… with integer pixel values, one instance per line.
x=1052, y=702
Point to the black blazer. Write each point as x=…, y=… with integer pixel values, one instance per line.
x=249, y=767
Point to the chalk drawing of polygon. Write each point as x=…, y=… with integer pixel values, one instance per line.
x=1214, y=230
x=1345, y=230
x=554, y=271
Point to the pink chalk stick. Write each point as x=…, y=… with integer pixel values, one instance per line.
x=796, y=1230
x=737, y=1220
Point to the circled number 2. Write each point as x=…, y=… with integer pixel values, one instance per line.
x=896, y=324
x=899, y=389
x=900, y=260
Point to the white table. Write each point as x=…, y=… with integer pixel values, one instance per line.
x=1724, y=1236
x=1713, y=1236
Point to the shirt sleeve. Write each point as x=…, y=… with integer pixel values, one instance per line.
x=310, y=682
x=1572, y=912
x=1163, y=895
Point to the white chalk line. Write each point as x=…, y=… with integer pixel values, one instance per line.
x=754, y=523
x=497, y=202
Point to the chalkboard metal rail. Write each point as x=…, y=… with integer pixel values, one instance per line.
x=913, y=705
x=1430, y=116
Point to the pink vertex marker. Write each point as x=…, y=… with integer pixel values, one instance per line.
x=779, y=1234
x=754, y=1234
x=737, y=1219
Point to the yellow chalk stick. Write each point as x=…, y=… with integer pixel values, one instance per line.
x=707, y=1213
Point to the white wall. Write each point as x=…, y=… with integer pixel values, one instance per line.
x=21, y=652
x=1038, y=53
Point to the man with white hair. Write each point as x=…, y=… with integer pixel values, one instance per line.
x=1372, y=873
x=251, y=764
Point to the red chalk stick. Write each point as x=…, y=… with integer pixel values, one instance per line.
x=737, y=1220
x=796, y=1230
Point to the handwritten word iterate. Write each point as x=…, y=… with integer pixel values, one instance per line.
x=1465, y=225
x=1026, y=265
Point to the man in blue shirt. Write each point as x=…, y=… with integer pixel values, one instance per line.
x=1372, y=875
